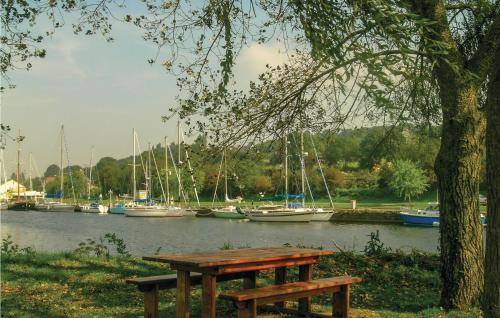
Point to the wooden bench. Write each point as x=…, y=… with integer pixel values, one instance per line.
x=151, y=286
x=247, y=300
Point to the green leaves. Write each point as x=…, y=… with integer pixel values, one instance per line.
x=407, y=180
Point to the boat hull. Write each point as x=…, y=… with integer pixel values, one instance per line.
x=55, y=207
x=277, y=216
x=322, y=216
x=411, y=219
x=205, y=213
x=228, y=215
x=153, y=212
x=22, y=206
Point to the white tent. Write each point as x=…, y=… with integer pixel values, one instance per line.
x=9, y=188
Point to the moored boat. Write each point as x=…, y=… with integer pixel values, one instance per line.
x=228, y=212
x=118, y=208
x=21, y=206
x=92, y=208
x=280, y=215
x=426, y=217
x=55, y=207
x=322, y=215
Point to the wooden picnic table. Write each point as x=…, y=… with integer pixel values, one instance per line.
x=247, y=260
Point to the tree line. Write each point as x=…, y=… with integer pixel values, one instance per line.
x=355, y=163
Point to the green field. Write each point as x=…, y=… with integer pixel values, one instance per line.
x=76, y=285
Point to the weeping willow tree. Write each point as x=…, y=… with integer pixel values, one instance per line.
x=430, y=61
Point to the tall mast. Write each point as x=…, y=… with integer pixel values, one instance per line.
x=29, y=172
x=90, y=171
x=302, y=168
x=286, y=171
x=61, y=162
x=148, y=177
x=18, y=166
x=167, y=199
x=225, y=175
x=133, y=166
x=179, y=156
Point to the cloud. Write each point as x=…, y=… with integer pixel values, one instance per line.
x=61, y=62
x=253, y=59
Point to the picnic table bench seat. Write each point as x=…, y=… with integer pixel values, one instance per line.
x=151, y=285
x=247, y=300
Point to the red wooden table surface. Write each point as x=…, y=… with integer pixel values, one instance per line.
x=249, y=260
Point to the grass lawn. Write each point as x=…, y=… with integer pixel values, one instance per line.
x=74, y=285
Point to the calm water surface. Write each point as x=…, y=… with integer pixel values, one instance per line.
x=56, y=231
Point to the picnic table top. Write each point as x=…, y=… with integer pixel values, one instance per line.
x=238, y=256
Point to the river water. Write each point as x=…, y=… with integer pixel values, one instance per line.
x=58, y=231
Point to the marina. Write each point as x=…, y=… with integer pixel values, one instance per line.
x=53, y=231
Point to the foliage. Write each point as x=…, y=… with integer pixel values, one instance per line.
x=375, y=247
x=99, y=247
x=407, y=179
x=263, y=184
x=9, y=248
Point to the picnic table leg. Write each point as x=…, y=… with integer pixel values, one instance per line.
x=279, y=279
x=208, y=291
x=183, y=287
x=340, y=303
x=250, y=280
x=247, y=309
x=305, y=274
x=151, y=303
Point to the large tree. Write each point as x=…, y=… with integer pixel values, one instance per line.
x=491, y=304
x=390, y=60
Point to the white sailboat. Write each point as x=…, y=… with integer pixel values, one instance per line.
x=94, y=207
x=135, y=210
x=284, y=214
x=228, y=212
x=319, y=213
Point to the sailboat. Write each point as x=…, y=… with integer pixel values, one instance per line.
x=319, y=213
x=94, y=207
x=20, y=205
x=228, y=212
x=288, y=213
x=149, y=210
x=60, y=206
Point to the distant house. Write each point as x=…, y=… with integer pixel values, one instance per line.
x=9, y=188
x=8, y=191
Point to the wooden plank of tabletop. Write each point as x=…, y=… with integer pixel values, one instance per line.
x=239, y=256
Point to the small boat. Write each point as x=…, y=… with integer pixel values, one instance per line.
x=22, y=206
x=322, y=215
x=118, y=208
x=280, y=215
x=204, y=213
x=153, y=211
x=228, y=212
x=92, y=208
x=426, y=217
x=55, y=207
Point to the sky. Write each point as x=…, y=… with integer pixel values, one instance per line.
x=100, y=91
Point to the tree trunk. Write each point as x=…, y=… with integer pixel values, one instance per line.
x=491, y=301
x=457, y=168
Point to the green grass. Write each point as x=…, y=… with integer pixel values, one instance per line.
x=70, y=285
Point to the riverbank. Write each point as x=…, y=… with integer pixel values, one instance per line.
x=80, y=284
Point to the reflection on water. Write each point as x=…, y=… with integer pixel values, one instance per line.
x=56, y=231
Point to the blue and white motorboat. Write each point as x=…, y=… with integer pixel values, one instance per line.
x=426, y=217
